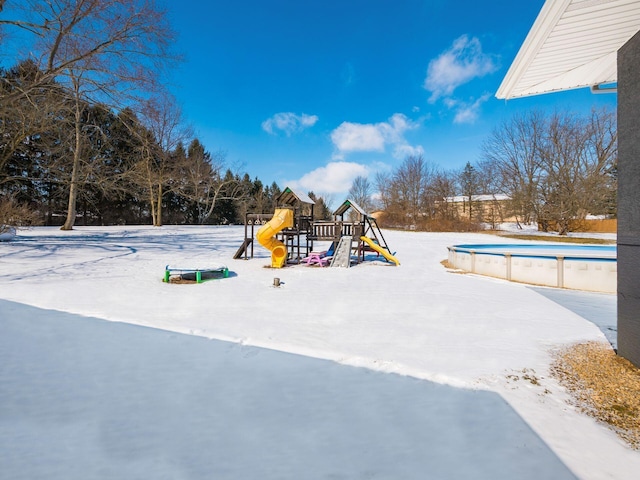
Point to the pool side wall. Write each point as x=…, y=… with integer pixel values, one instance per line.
x=592, y=274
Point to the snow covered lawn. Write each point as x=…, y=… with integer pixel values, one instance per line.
x=417, y=320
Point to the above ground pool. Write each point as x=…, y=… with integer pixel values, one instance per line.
x=573, y=266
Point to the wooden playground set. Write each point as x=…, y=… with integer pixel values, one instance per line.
x=291, y=233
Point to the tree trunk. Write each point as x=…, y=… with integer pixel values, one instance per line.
x=73, y=188
x=157, y=221
x=73, y=198
x=152, y=202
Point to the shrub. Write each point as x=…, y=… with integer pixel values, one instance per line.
x=14, y=214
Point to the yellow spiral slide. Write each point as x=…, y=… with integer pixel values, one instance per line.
x=266, y=236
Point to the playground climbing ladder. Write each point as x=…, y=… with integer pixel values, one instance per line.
x=243, y=249
x=342, y=255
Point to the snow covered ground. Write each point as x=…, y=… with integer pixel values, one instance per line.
x=472, y=336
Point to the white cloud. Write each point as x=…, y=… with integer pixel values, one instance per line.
x=451, y=102
x=406, y=150
x=461, y=63
x=335, y=177
x=371, y=137
x=288, y=123
x=358, y=137
x=468, y=112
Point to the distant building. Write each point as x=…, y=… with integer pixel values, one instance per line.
x=489, y=208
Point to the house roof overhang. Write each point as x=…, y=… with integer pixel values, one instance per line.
x=572, y=44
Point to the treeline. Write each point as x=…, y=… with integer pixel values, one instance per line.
x=549, y=169
x=88, y=132
x=131, y=170
x=135, y=168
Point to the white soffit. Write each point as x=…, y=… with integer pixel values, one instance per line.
x=572, y=44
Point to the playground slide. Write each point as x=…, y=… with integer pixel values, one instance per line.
x=374, y=246
x=282, y=218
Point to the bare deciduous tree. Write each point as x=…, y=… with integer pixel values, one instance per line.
x=441, y=189
x=578, y=157
x=121, y=45
x=25, y=120
x=410, y=182
x=556, y=169
x=383, y=185
x=204, y=182
x=161, y=133
x=404, y=193
x=102, y=50
x=361, y=191
x=513, y=148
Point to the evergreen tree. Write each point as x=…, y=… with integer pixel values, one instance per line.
x=469, y=183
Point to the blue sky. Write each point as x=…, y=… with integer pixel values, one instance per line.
x=311, y=94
